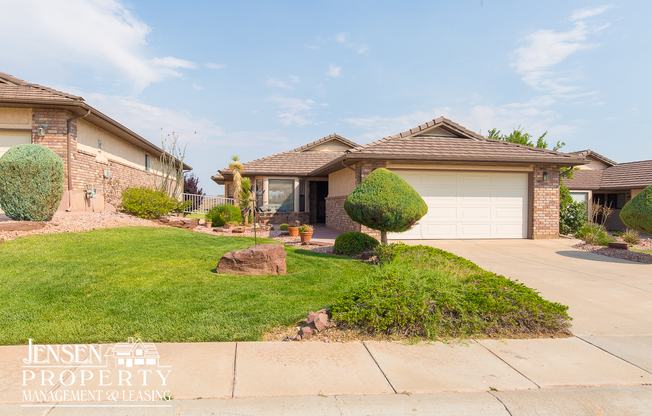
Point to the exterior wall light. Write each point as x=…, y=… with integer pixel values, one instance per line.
x=41, y=130
x=545, y=176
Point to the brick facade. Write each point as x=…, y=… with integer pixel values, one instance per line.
x=336, y=217
x=283, y=218
x=545, y=203
x=86, y=168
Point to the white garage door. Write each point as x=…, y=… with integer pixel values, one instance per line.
x=469, y=205
x=12, y=138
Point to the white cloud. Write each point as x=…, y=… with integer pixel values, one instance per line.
x=334, y=71
x=197, y=87
x=147, y=120
x=340, y=37
x=545, y=50
x=378, y=127
x=589, y=12
x=102, y=34
x=343, y=38
x=294, y=79
x=273, y=82
x=214, y=66
x=172, y=62
x=294, y=111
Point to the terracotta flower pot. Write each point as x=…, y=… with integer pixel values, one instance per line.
x=294, y=231
x=305, y=236
x=209, y=224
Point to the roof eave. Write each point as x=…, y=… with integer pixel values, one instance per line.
x=355, y=157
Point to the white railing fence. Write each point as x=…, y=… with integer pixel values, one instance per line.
x=203, y=203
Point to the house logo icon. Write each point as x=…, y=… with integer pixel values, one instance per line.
x=134, y=353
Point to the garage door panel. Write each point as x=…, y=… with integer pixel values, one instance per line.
x=436, y=179
x=470, y=205
x=440, y=213
x=11, y=138
x=473, y=179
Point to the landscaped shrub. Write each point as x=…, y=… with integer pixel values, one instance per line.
x=224, y=214
x=418, y=294
x=31, y=182
x=594, y=234
x=354, y=242
x=283, y=227
x=149, y=203
x=630, y=236
x=572, y=214
x=386, y=202
x=637, y=213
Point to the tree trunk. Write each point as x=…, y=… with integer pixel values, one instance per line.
x=383, y=238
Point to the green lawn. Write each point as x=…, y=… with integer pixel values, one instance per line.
x=643, y=251
x=197, y=216
x=154, y=283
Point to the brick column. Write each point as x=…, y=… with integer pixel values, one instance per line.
x=545, y=218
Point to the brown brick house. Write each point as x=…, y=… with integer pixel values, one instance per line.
x=606, y=182
x=97, y=151
x=474, y=187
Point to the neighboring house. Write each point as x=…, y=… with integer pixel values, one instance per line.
x=606, y=182
x=102, y=152
x=474, y=187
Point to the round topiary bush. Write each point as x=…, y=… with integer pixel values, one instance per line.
x=385, y=202
x=283, y=227
x=31, y=182
x=354, y=242
x=637, y=213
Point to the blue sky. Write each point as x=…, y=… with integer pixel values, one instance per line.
x=254, y=78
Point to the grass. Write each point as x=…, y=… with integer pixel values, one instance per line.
x=196, y=216
x=642, y=251
x=155, y=283
x=426, y=292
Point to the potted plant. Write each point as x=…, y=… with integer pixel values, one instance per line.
x=306, y=232
x=294, y=229
x=209, y=224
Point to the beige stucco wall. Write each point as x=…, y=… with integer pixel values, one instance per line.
x=331, y=146
x=593, y=165
x=113, y=147
x=341, y=182
x=636, y=192
x=15, y=118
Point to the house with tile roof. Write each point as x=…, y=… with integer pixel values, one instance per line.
x=96, y=150
x=134, y=353
x=474, y=187
x=609, y=183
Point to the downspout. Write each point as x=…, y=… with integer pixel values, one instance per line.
x=347, y=166
x=69, y=150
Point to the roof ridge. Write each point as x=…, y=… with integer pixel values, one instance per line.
x=333, y=136
x=17, y=82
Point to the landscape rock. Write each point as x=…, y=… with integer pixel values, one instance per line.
x=239, y=230
x=178, y=222
x=262, y=259
x=619, y=245
x=315, y=323
x=21, y=226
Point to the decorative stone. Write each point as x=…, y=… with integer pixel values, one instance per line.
x=238, y=230
x=178, y=222
x=305, y=332
x=262, y=259
x=21, y=226
x=619, y=245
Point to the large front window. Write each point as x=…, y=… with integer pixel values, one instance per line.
x=280, y=195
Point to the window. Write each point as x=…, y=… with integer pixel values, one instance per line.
x=228, y=190
x=580, y=196
x=280, y=195
x=147, y=163
x=259, y=188
x=302, y=196
x=99, y=144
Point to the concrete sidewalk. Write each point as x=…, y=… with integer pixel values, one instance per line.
x=489, y=372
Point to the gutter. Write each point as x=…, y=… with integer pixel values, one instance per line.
x=69, y=157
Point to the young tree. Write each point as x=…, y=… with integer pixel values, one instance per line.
x=385, y=202
x=637, y=213
x=192, y=190
x=236, y=169
x=518, y=137
x=168, y=173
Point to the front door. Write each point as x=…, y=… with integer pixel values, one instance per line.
x=321, y=194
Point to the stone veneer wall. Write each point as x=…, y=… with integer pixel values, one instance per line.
x=86, y=169
x=545, y=204
x=283, y=218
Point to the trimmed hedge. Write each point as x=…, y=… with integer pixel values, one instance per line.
x=31, y=182
x=354, y=242
x=637, y=213
x=386, y=202
x=223, y=214
x=147, y=203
